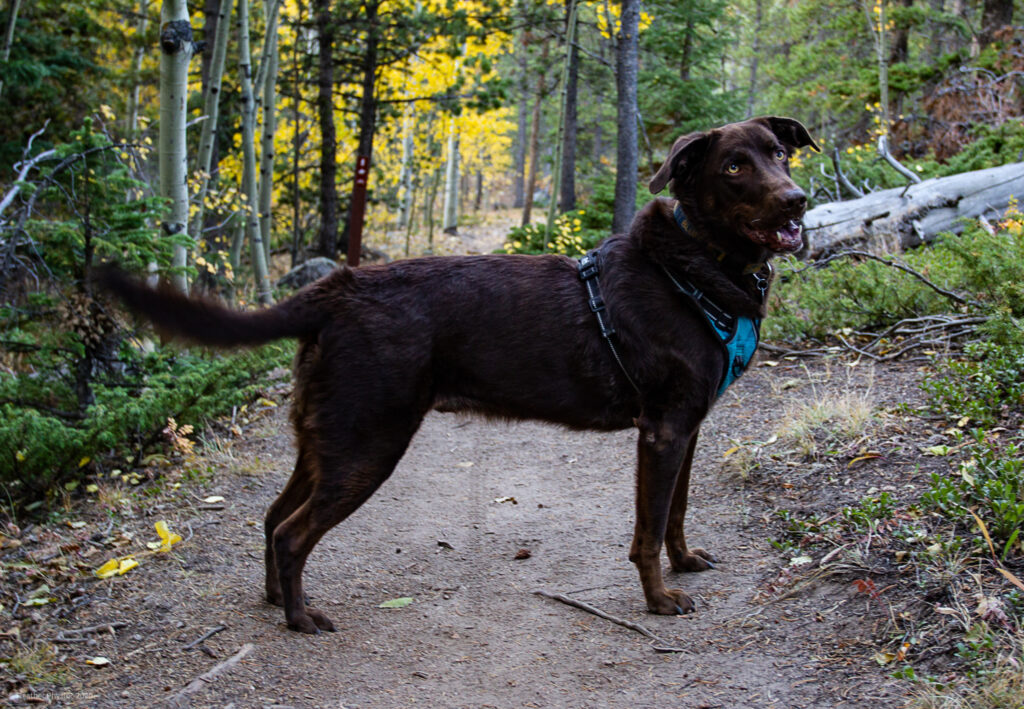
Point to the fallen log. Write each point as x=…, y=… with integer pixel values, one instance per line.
x=904, y=217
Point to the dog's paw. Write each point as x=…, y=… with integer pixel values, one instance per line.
x=671, y=602
x=303, y=624
x=695, y=560
x=321, y=620
x=312, y=622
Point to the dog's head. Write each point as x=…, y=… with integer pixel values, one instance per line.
x=735, y=180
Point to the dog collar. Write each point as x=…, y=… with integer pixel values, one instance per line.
x=718, y=252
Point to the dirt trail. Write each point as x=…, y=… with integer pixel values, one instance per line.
x=475, y=635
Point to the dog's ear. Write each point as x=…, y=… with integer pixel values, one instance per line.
x=790, y=131
x=685, y=154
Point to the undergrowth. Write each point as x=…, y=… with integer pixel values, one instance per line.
x=955, y=544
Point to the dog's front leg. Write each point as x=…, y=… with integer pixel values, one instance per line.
x=661, y=448
x=682, y=558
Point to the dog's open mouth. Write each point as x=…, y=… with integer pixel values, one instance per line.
x=788, y=237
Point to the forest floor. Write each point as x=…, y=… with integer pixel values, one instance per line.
x=447, y=531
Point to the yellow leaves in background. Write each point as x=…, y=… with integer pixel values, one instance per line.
x=119, y=566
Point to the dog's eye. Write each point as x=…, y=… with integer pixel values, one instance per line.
x=780, y=154
x=733, y=168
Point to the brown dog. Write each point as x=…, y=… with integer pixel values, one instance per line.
x=515, y=337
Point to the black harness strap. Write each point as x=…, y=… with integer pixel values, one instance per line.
x=589, y=267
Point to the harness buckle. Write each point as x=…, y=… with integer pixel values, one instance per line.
x=588, y=268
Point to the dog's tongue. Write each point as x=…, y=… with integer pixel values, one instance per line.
x=788, y=237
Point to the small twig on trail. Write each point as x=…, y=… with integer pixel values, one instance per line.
x=662, y=646
x=102, y=628
x=206, y=636
x=181, y=698
x=78, y=635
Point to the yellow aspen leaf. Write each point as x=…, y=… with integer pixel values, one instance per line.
x=108, y=569
x=168, y=537
x=126, y=565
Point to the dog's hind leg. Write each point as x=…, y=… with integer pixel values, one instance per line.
x=341, y=485
x=295, y=492
x=681, y=558
x=661, y=448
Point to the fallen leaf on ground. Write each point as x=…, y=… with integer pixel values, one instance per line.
x=167, y=537
x=396, y=602
x=212, y=499
x=98, y=661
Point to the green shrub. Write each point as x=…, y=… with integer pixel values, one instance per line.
x=991, y=484
x=985, y=384
x=867, y=295
x=43, y=447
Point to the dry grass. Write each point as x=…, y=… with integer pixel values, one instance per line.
x=1001, y=688
x=35, y=663
x=827, y=420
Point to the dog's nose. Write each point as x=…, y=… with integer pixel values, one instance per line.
x=794, y=200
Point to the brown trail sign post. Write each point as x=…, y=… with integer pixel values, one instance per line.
x=355, y=226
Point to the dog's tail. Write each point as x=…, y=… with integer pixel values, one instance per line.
x=207, y=322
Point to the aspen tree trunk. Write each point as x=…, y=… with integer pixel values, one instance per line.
x=405, y=176
x=12, y=20
x=755, y=50
x=531, y=177
x=269, y=128
x=176, y=49
x=435, y=178
x=252, y=222
x=627, y=158
x=451, y=182
x=567, y=146
x=556, y=171
x=132, y=125
x=328, y=238
x=211, y=109
x=296, y=144
x=521, y=135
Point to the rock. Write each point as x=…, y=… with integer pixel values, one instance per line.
x=307, y=272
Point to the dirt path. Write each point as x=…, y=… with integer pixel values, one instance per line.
x=476, y=635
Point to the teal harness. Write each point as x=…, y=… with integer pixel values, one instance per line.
x=738, y=336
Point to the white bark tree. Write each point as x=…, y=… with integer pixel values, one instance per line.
x=211, y=110
x=132, y=125
x=405, y=175
x=249, y=194
x=451, y=181
x=176, y=49
x=269, y=87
